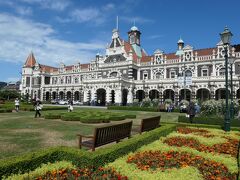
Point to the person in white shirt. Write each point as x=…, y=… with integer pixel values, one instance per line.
x=17, y=104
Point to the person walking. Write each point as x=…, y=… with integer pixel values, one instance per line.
x=191, y=111
x=38, y=107
x=70, y=105
x=17, y=104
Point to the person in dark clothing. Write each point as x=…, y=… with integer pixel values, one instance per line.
x=191, y=111
x=38, y=107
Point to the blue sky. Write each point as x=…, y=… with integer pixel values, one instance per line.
x=70, y=31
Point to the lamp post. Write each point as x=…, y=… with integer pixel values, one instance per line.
x=231, y=61
x=226, y=37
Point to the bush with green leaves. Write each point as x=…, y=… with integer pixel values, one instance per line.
x=209, y=119
x=168, y=101
x=146, y=102
x=134, y=108
x=184, y=102
x=218, y=106
x=90, y=116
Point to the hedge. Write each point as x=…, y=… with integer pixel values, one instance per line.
x=90, y=117
x=80, y=158
x=53, y=115
x=5, y=110
x=134, y=108
x=212, y=120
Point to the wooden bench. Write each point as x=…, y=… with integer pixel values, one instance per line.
x=151, y=123
x=106, y=134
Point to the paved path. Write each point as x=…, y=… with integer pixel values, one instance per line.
x=76, y=106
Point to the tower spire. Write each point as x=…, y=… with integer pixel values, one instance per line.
x=117, y=23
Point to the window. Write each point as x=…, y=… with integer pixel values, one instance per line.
x=204, y=72
x=222, y=72
x=145, y=76
x=172, y=74
x=188, y=73
x=76, y=80
x=159, y=76
x=131, y=39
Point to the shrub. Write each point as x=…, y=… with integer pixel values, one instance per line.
x=168, y=101
x=3, y=110
x=212, y=120
x=69, y=117
x=80, y=158
x=217, y=107
x=133, y=108
x=130, y=116
x=146, y=102
x=53, y=116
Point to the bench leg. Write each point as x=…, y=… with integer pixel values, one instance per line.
x=80, y=142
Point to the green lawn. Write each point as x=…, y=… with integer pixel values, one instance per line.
x=21, y=132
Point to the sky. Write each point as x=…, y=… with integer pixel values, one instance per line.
x=72, y=31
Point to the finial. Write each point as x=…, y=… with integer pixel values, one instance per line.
x=133, y=22
x=117, y=23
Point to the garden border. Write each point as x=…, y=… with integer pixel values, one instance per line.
x=80, y=158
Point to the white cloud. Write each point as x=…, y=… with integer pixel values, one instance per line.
x=23, y=10
x=58, y=5
x=19, y=9
x=19, y=36
x=93, y=15
x=83, y=15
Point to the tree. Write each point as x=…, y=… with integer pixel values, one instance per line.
x=9, y=94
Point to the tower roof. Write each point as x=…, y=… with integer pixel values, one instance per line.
x=134, y=28
x=31, y=61
x=180, y=41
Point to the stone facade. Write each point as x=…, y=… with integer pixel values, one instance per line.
x=126, y=73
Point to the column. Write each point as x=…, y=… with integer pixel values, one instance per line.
x=213, y=69
x=161, y=95
x=176, y=97
x=93, y=95
x=85, y=97
x=108, y=96
x=130, y=96
x=118, y=97
x=165, y=73
x=138, y=74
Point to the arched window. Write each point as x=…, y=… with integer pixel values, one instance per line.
x=159, y=75
x=221, y=72
x=188, y=73
x=76, y=80
x=113, y=74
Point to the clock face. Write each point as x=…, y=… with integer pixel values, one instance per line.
x=36, y=68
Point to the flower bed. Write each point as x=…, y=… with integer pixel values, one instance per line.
x=84, y=173
x=230, y=147
x=189, y=153
x=157, y=161
x=163, y=160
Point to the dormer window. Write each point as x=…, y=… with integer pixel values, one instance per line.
x=221, y=72
x=204, y=71
x=172, y=74
x=145, y=75
x=131, y=39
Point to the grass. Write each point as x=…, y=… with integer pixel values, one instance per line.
x=21, y=132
